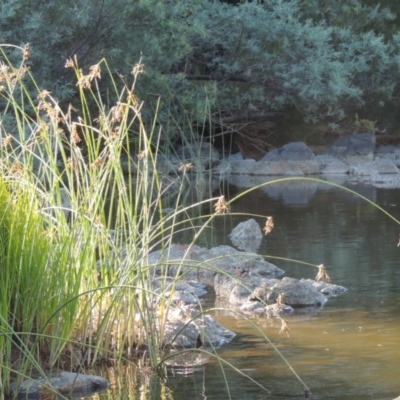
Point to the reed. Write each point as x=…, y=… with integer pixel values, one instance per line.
x=77, y=227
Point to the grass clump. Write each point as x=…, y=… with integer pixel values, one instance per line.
x=75, y=234
x=77, y=226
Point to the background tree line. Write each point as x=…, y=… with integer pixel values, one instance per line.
x=232, y=63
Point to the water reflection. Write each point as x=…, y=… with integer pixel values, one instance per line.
x=351, y=348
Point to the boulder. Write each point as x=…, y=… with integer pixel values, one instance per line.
x=196, y=331
x=201, y=264
x=388, y=152
x=353, y=148
x=242, y=166
x=327, y=289
x=332, y=166
x=374, y=168
x=295, y=151
x=244, y=292
x=286, y=167
x=295, y=293
x=247, y=235
x=64, y=383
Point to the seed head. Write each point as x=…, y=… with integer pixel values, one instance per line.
x=269, y=225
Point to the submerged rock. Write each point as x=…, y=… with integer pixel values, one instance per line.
x=197, y=331
x=65, y=383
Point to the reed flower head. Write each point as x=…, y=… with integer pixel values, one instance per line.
x=185, y=167
x=322, y=275
x=26, y=53
x=221, y=206
x=6, y=141
x=269, y=225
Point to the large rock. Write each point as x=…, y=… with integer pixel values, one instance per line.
x=240, y=291
x=286, y=167
x=201, y=264
x=295, y=151
x=327, y=289
x=388, y=152
x=65, y=383
x=329, y=165
x=295, y=293
x=247, y=235
x=353, y=149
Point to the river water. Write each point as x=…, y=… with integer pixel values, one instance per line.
x=348, y=350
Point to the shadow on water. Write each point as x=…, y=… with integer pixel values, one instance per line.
x=350, y=349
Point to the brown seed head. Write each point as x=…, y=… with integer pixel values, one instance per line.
x=322, y=275
x=269, y=225
x=26, y=53
x=221, y=206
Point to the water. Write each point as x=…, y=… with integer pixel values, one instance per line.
x=348, y=350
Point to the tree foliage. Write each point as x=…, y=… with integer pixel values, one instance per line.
x=323, y=58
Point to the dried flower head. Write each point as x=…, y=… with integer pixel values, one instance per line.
x=83, y=80
x=141, y=155
x=95, y=72
x=6, y=141
x=322, y=275
x=74, y=134
x=133, y=99
x=284, y=328
x=117, y=112
x=26, y=53
x=69, y=63
x=269, y=225
x=185, y=166
x=138, y=69
x=17, y=168
x=221, y=206
x=101, y=160
x=43, y=95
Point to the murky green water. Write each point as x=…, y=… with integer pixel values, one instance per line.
x=348, y=350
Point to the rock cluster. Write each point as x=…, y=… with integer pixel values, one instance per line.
x=353, y=155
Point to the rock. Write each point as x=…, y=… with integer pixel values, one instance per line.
x=374, y=168
x=247, y=235
x=354, y=148
x=202, y=264
x=389, y=152
x=295, y=151
x=333, y=166
x=288, y=168
x=327, y=289
x=202, y=330
x=242, y=166
x=65, y=383
x=241, y=292
x=295, y=293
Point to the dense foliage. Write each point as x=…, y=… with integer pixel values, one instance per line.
x=249, y=58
